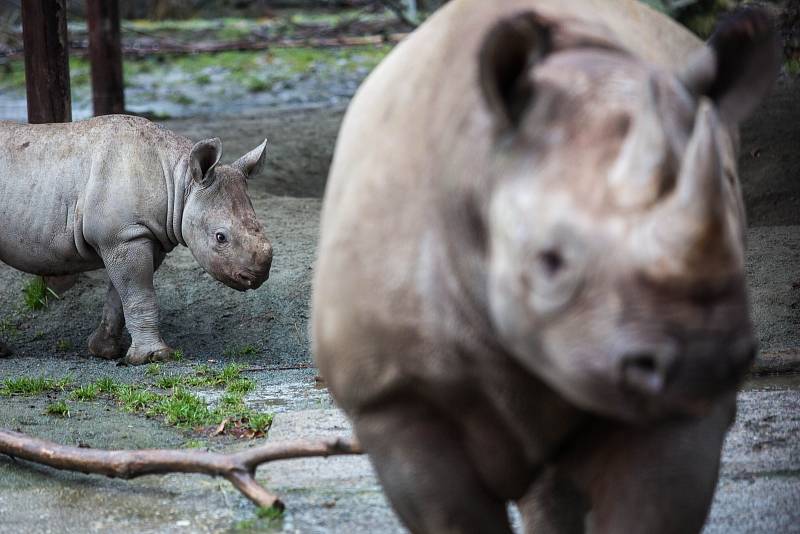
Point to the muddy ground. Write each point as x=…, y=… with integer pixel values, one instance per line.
x=759, y=490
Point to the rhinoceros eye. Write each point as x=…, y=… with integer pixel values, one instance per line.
x=221, y=238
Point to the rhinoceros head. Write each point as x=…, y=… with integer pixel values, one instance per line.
x=615, y=225
x=219, y=224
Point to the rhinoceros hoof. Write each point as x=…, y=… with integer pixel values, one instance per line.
x=104, y=345
x=4, y=350
x=136, y=357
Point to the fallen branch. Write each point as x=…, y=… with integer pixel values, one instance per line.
x=82, y=50
x=238, y=468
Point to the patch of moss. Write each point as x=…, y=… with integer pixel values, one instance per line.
x=8, y=328
x=181, y=99
x=266, y=519
x=257, y=85
x=272, y=513
x=243, y=350
x=793, y=67
x=63, y=345
x=79, y=73
x=12, y=75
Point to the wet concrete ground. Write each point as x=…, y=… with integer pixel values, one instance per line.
x=759, y=490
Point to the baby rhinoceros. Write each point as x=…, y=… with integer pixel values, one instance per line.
x=530, y=285
x=121, y=192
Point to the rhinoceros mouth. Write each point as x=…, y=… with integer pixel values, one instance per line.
x=244, y=280
x=252, y=279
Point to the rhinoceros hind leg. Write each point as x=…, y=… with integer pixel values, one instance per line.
x=106, y=340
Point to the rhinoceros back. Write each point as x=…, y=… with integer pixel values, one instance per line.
x=53, y=175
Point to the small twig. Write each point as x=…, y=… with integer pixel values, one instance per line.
x=237, y=468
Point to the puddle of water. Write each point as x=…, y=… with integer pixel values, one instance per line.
x=294, y=395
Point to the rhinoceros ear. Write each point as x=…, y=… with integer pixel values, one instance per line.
x=507, y=54
x=737, y=68
x=203, y=159
x=252, y=162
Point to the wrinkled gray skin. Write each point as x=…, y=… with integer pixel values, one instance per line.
x=121, y=192
x=530, y=283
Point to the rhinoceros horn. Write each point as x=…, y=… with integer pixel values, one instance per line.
x=637, y=177
x=688, y=234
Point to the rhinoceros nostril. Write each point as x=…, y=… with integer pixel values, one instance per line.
x=644, y=372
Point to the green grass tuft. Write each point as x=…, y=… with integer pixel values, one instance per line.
x=153, y=369
x=63, y=345
x=59, y=408
x=169, y=381
x=30, y=386
x=232, y=403
x=260, y=422
x=85, y=393
x=135, y=399
x=36, y=294
x=106, y=385
x=241, y=386
x=185, y=409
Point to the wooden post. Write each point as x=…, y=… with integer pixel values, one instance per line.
x=44, y=36
x=105, y=55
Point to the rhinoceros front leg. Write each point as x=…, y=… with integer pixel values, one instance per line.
x=657, y=479
x=130, y=267
x=427, y=474
x=4, y=350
